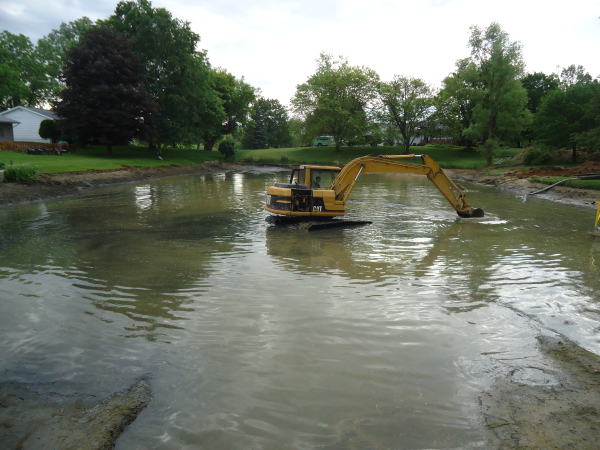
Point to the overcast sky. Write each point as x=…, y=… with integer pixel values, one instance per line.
x=274, y=44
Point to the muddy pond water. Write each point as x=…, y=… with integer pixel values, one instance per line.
x=260, y=337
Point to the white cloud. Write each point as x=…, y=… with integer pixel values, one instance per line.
x=274, y=44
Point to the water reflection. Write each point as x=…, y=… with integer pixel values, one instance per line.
x=143, y=197
x=121, y=260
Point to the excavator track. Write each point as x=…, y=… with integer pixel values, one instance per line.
x=302, y=223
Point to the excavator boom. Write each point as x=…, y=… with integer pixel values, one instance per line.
x=304, y=195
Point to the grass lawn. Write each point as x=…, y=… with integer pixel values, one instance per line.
x=95, y=158
x=581, y=184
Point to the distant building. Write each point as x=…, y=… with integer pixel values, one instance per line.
x=6, y=129
x=27, y=121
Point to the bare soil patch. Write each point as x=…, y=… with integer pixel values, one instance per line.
x=588, y=167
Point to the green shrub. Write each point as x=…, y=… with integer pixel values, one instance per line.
x=21, y=174
x=536, y=157
x=50, y=129
x=227, y=149
x=285, y=160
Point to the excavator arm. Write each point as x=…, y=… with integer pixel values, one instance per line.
x=346, y=180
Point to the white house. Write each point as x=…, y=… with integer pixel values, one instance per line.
x=28, y=122
x=6, y=129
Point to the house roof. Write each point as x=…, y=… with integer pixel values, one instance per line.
x=42, y=112
x=7, y=120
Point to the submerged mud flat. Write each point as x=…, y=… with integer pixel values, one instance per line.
x=547, y=404
x=257, y=336
x=35, y=416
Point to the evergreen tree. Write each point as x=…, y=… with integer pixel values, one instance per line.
x=104, y=99
x=255, y=133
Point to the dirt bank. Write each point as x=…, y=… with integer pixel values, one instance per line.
x=74, y=183
x=552, y=403
x=35, y=417
x=519, y=182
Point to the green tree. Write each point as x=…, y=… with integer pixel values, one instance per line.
x=563, y=117
x=104, y=99
x=255, y=132
x=178, y=77
x=590, y=139
x=235, y=100
x=23, y=81
x=268, y=127
x=499, y=112
x=408, y=104
x=537, y=85
x=337, y=100
x=574, y=75
x=298, y=132
x=276, y=122
x=51, y=50
x=456, y=101
x=50, y=129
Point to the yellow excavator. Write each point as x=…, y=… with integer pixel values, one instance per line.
x=318, y=193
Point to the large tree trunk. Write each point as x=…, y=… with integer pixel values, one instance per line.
x=574, y=153
x=208, y=145
x=337, y=148
x=489, y=152
x=199, y=142
x=158, y=148
x=489, y=146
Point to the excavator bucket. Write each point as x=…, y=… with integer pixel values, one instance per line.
x=473, y=212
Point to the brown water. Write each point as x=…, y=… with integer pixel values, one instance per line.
x=257, y=337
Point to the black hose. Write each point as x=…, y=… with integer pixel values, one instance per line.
x=583, y=176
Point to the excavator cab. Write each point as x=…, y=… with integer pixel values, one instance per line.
x=303, y=194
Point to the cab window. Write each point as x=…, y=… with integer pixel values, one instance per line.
x=298, y=176
x=321, y=178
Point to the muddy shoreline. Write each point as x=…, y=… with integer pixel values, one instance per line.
x=75, y=183
x=523, y=186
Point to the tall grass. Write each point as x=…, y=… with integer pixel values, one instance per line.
x=21, y=174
